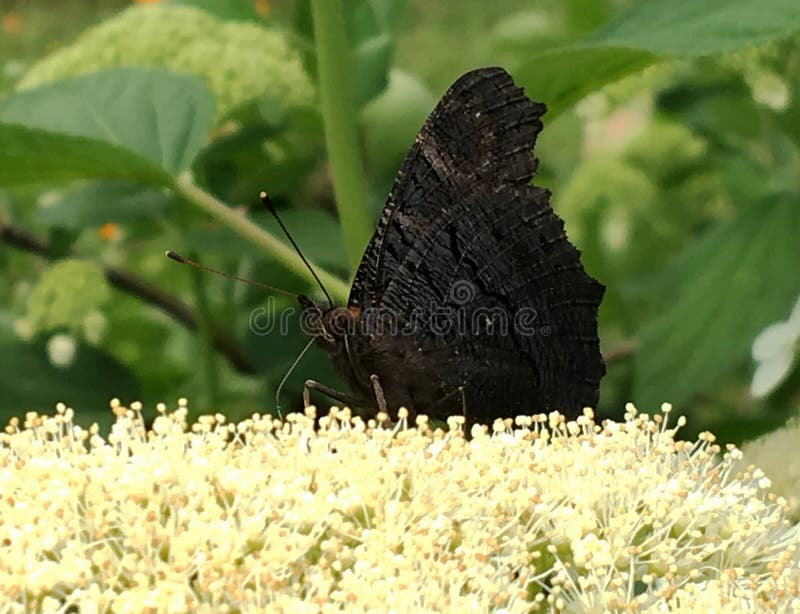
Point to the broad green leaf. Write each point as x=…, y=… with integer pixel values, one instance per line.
x=651, y=31
x=562, y=77
x=692, y=28
x=104, y=201
x=29, y=155
x=30, y=382
x=724, y=290
x=162, y=116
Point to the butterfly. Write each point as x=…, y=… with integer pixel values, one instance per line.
x=469, y=298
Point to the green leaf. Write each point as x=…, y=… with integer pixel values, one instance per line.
x=104, y=201
x=30, y=382
x=649, y=32
x=29, y=155
x=372, y=27
x=562, y=77
x=724, y=290
x=692, y=28
x=162, y=116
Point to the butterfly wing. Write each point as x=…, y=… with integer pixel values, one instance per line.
x=480, y=133
x=464, y=237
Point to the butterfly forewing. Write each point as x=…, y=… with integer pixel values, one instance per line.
x=481, y=132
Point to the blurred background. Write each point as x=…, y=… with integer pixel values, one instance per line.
x=671, y=146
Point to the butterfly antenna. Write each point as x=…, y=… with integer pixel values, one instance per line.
x=288, y=373
x=268, y=203
x=178, y=258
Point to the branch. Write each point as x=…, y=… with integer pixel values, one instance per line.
x=138, y=287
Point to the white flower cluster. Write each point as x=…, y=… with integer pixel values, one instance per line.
x=534, y=514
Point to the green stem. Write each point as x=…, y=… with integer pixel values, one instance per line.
x=335, y=67
x=257, y=235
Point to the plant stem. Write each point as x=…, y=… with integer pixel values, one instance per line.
x=335, y=67
x=257, y=235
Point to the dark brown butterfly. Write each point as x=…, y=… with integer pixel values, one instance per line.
x=469, y=297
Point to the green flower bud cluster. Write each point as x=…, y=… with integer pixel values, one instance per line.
x=239, y=61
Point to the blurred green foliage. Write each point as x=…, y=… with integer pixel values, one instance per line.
x=671, y=145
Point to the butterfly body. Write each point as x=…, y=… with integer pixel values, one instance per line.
x=469, y=296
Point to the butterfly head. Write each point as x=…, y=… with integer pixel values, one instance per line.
x=330, y=325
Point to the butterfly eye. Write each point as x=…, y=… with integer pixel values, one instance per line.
x=545, y=244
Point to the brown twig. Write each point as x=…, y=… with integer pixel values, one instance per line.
x=138, y=287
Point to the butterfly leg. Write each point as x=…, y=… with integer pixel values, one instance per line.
x=378, y=389
x=334, y=394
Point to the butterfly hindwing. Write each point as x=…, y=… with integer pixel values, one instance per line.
x=522, y=311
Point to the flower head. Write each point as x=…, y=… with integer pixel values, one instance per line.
x=534, y=514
